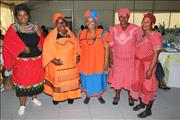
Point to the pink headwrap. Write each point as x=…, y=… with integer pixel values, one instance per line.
x=124, y=11
x=151, y=17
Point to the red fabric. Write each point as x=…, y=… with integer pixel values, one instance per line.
x=138, y=86
x=12, y=46
x=41, y=41
x=28, y=73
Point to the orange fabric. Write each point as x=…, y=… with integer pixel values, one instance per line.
x=62, y=96
x=92, y=52
x=56, y=16
x=66, y=76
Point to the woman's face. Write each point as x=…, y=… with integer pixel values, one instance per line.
x=123, y=19
x=23, y=17
x=61, y=25
x=91, y=24
x=146, y=24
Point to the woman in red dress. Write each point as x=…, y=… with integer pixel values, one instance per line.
x=22, y=52
x=145, y=84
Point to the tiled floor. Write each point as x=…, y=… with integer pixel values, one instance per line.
x=166, y=107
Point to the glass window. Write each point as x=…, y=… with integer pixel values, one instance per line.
x=175, y=20
x=163, y=19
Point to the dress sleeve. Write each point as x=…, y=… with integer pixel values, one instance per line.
x=12, y=46
x=156, y=41
x=106, y=37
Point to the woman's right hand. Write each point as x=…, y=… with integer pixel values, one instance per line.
x=26, y=50
x=57, y=62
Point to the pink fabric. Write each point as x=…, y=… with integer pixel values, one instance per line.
x=123, y=44
x=143, y=88
x=124, y=11
x=153, y=40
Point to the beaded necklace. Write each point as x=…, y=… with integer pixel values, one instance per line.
x=30, y=28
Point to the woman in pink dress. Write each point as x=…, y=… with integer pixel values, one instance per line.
x=123, y=39
x=145, y=84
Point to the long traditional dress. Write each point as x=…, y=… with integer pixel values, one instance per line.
x=61, y=82
x=91, y=65
x=27, y=69
x=143, y=88
x=123, y=44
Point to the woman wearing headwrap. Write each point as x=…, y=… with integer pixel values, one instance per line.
x=145, y=85
x=93, y=61
x=22, y=49
x=60, y=50
x=123, y=39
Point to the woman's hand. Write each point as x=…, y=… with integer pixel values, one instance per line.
x=77, y=58
x=57, y=62
x=26, y=50
x=148, y=74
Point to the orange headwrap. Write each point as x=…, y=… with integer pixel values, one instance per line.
x=56, y=16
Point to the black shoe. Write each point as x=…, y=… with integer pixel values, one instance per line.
x=137, y=107
x=55, y=102
x=164, y=87
x=101, y=100
x=70, y=101
x=131, y=102
x=145, y=114
x=86, y=100
x=116, y=100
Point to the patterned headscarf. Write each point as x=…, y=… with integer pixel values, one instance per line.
x=124, y=11
x=151, y=17
x=57, y=16
x=92, y=14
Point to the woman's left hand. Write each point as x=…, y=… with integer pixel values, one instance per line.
x=148, y=74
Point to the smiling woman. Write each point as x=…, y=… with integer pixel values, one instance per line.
x=22, y=53
x=168, y=19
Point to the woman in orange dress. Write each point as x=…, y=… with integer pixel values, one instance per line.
x=62, y=80
x=93, y=58
x=145, y=85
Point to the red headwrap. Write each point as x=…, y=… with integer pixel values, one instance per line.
x=151, y=17
x=56, y=16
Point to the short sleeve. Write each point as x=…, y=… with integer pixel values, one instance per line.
x=111, y=42
x=156, y=40
x=106, y=36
